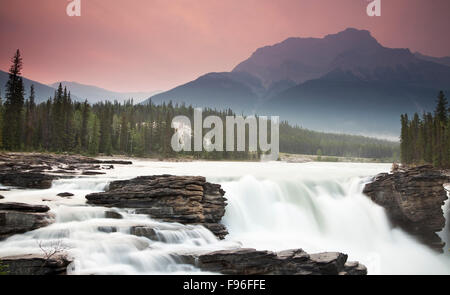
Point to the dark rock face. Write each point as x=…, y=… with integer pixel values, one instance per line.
x=413, y=199
x=17, y=218
x=36, y=265
x=289, y=262
x=183, y=199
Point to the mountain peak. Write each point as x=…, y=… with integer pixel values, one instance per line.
x=302, y=59
x=354, y=37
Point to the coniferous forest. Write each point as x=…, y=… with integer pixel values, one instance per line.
x=426, y=139
x=63, y=125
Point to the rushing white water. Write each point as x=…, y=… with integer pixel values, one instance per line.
x=271, y=206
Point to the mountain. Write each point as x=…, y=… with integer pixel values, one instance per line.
x=79, y=92
x=303, y=59
x=96, y=94
x=440, y=60
x=217, y=90
x=42, y=91
x=344, y=82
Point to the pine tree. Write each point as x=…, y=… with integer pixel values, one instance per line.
x=441, y=108
x=84, y=126
x=12, y=125
x=30, y=119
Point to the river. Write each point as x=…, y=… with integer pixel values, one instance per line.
x=271, y=206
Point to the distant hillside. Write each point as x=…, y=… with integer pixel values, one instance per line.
x=43, y=92
x=78, y=91
x=440, y=60
x=217, y=90
x=96, y=94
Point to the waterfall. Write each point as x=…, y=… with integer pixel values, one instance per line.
x=324, y=215
x=271, y=206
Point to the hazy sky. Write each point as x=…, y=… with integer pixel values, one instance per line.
x=142, y=45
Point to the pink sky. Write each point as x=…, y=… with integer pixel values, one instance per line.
x=143, y=45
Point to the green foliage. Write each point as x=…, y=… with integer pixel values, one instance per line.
x=426, y=140
x=3, y=269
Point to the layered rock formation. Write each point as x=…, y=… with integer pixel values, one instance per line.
x=17, y=218
x=34, y=264
x=289, y=262
x=413, y=199
x=183, y=199
x=37, y=171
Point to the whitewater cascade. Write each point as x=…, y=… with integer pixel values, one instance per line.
x=271, y=206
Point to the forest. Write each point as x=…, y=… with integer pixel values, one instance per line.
x=110, y=128
x=426, y=139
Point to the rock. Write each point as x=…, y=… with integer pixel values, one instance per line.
x=289, y=262
x=17, y=218
x=22, y=207
x=144, y=231
x=26, y=179
x=183, y=199
x=113, y=215
x=65, y=195
x=34, y=264
x=116, y=162
x=413, y=200
x=354, y=269
x=92, y=173
x=107, y=229
x=37, y=171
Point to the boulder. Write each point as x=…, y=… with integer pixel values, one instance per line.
x=17, y=218
x=65, y=195
x=35, y=264
x=289, y=262
x=144, y=231
x=413, y=199
x=183, y=199
x=113, y=215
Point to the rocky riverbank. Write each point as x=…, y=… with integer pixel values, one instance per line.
x=183, y=199
x=413, y=199
x=288, y=262
x=37, y=171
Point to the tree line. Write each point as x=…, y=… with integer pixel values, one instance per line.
x=426, y=139
x=297, y=140
x=61, y=124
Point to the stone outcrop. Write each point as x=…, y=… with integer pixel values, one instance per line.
x=34, y=264
x=289, y=262
x=413, y=199
x=37, y=171
x=183, y=199
x=17, y=218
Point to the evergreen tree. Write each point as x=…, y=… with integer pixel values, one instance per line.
x=84, y=126
x=30, y=119
x=441, y=108
x=12, y=125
